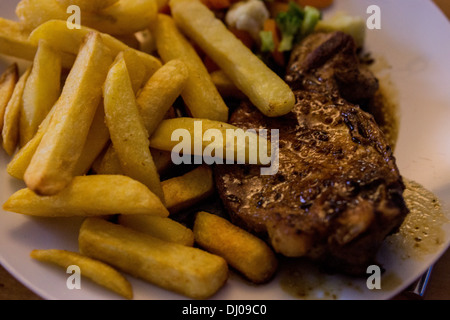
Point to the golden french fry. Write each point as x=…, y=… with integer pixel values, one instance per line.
x=134, y=66
x=126, y=128
x=187, y=136
x=19, y=164
x=160, y=92
x=91, y=195
x=159, y=227
x=96, y=141
x=162, y=159
x=14, y=42
x=189, y=271
x=243, y=251
x=188, y=189
x=200, y=95
x=125, y=17
x=11, y=124
x=53, y=163
x=108, y=162
x=265, y=89
x=97, y=271
x=225, y=86
x=41, y=90
x=87, y=5
x=8, y=82
x=56, y=33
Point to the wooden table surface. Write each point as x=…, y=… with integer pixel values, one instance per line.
x=438, y=287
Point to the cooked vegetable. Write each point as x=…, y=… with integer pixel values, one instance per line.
x=266, y=41
x=247, y=15
x=270, y=25
x=312, y=16
x=295, y=24
x=354, y=26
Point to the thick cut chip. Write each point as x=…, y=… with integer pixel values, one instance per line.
x=159, y=227
x=97, y=271
x=124, y=17
x=265, y=89
x=8, y=82
x=185, y=191
x=92, y=195
x=243, y=251
x=41, y=90
x=189, y=271
x=126, y=128
x=200, y=95
x=68, y=41
x=160, y=92
x=216, y=141
x=87, y=5
x=53, y=164
x=11, y=124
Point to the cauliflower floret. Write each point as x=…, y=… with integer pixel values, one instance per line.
x=248, y=15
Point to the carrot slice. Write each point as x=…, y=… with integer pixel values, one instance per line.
x=271, y=25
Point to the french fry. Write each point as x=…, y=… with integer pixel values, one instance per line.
x=160, y=92
x=134, y=66
x=108, y=163
x=91, y=195
x=96, y=141
x=56, y=33
x=97, y=271
x=159, y=227
x=188, y=189
x=162, y=159
x=265, y=89
x=19, y=164
x=87, y=5
x=41, y=90
x=14, y=42
x=10, y=131
x=186, y=270
x=125, y=17
x=200, y=95
x=241, y=146
x=52, y=166
x=243, y=251
x=225, y=86
x=126, y=128
x=8, y=82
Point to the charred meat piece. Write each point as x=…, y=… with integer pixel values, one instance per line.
x=338, y=192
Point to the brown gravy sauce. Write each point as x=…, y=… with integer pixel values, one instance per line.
x=420, y=234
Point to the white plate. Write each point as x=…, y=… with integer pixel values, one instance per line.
x=414, y=40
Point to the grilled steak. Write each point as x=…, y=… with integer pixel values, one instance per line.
x=338, y=191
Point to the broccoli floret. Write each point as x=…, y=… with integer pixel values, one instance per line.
x=289, y=23
x=295, y=24
x=267, y=44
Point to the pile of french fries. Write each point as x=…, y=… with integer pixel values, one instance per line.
x=88, y=127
